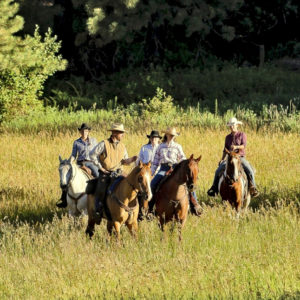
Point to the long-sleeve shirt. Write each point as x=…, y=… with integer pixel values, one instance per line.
x=98, y=150
x=81, y=149
x=237, y=139
x=167, y=153
x=147, y=153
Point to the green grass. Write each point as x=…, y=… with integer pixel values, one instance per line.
x=44, y=255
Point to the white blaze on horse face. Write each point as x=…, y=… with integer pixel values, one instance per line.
x=235, y=161
x=64, y=174
x=148, y=181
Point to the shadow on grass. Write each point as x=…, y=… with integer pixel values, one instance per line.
x=265, y=199
x=18, y=205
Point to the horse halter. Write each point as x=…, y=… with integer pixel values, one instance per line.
x=230, y=179
x=71, y=178
x=190, y=180
x=140, y=191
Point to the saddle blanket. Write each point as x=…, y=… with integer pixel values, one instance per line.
x=115, y=183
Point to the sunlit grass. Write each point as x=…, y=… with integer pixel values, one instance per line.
x=44, y=255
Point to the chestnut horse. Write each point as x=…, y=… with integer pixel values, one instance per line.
x=122, y=203
x=172, y=197
x=233, y=184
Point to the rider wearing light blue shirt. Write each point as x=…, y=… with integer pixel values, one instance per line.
x=81, y=151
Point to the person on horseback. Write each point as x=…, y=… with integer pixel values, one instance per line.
x=146, y=155
x=147, y=151
x=168, y=154
x=235, y=141
x=109, y=156
x=81, y=150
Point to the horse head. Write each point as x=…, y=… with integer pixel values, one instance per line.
x=65, y=171
x=142, y=183
x=192, y=172
x=233, y=165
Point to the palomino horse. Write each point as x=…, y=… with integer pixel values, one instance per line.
x=233, y=184
x=74, y=180
x=172, y=197
x=122, y=203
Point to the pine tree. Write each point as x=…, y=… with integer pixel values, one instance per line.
x=25, y=64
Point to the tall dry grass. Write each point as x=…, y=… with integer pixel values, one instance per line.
x=43, y=254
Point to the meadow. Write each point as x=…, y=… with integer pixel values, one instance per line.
x=45, y=255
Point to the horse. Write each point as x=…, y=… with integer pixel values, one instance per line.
x=122, y=205
x=172, y=197
x=233, y=184
x=74, y=180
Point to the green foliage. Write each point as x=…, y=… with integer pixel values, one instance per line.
x=25, y=64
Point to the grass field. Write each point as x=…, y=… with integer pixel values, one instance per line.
x=44, y=255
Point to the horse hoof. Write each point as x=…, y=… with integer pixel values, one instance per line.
x=89, y=232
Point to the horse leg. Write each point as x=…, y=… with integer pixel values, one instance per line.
x=109, y=227
x=133, y=228
x=91, y=222
x=117, y=227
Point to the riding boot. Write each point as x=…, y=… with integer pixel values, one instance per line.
x=253, y=191
x=63, y=200
x=195, y=207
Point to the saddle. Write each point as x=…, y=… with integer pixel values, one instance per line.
x=87, y=171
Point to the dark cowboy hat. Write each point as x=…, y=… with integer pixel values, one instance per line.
x=84, y=126
x=154, y=133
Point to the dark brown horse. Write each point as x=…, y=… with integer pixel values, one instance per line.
x=233, y=184
x=122, y=203
x=172, y=197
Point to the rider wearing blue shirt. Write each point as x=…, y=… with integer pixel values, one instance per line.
x=81, y=151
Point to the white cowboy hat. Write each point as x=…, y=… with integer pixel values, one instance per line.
x=233, y=121
x=117, y=127
x=171, y=131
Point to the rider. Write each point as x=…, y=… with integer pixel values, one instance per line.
x=81, y=150
x=147, y=151
x=235, y=141
x=166, y=156
x=109, y=156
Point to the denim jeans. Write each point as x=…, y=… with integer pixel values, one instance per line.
x=247, y=168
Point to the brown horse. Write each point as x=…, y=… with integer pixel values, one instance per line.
x=172, y=197
x=122, y=203
x=233, y=184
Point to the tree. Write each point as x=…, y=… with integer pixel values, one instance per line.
x=25, y=63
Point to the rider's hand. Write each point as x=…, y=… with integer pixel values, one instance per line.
x=104, y=171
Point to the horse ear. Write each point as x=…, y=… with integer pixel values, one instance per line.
x=71, y=159
x=191, y=157
x=198, y=159
x=140, y=164
x=149, y=164
x=60, y=159
x=226, y=150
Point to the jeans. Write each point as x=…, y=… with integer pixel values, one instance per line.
x=91, y=166
x=247, y=168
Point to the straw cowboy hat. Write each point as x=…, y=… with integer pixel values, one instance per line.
x=154, y=133
x=117, y=127
x=171, y=131
x=84, y=126
x=233, y=121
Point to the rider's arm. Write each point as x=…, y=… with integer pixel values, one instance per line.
x=95, y=154
x=181, y=155
x=74, y=150
x=156, y=161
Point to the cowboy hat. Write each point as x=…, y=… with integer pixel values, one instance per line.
x=117, y=127
x=154, y=133
x=171, y=131
x=84, y=126
x=233, y=121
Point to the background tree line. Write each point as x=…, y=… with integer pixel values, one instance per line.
x=196, y=50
